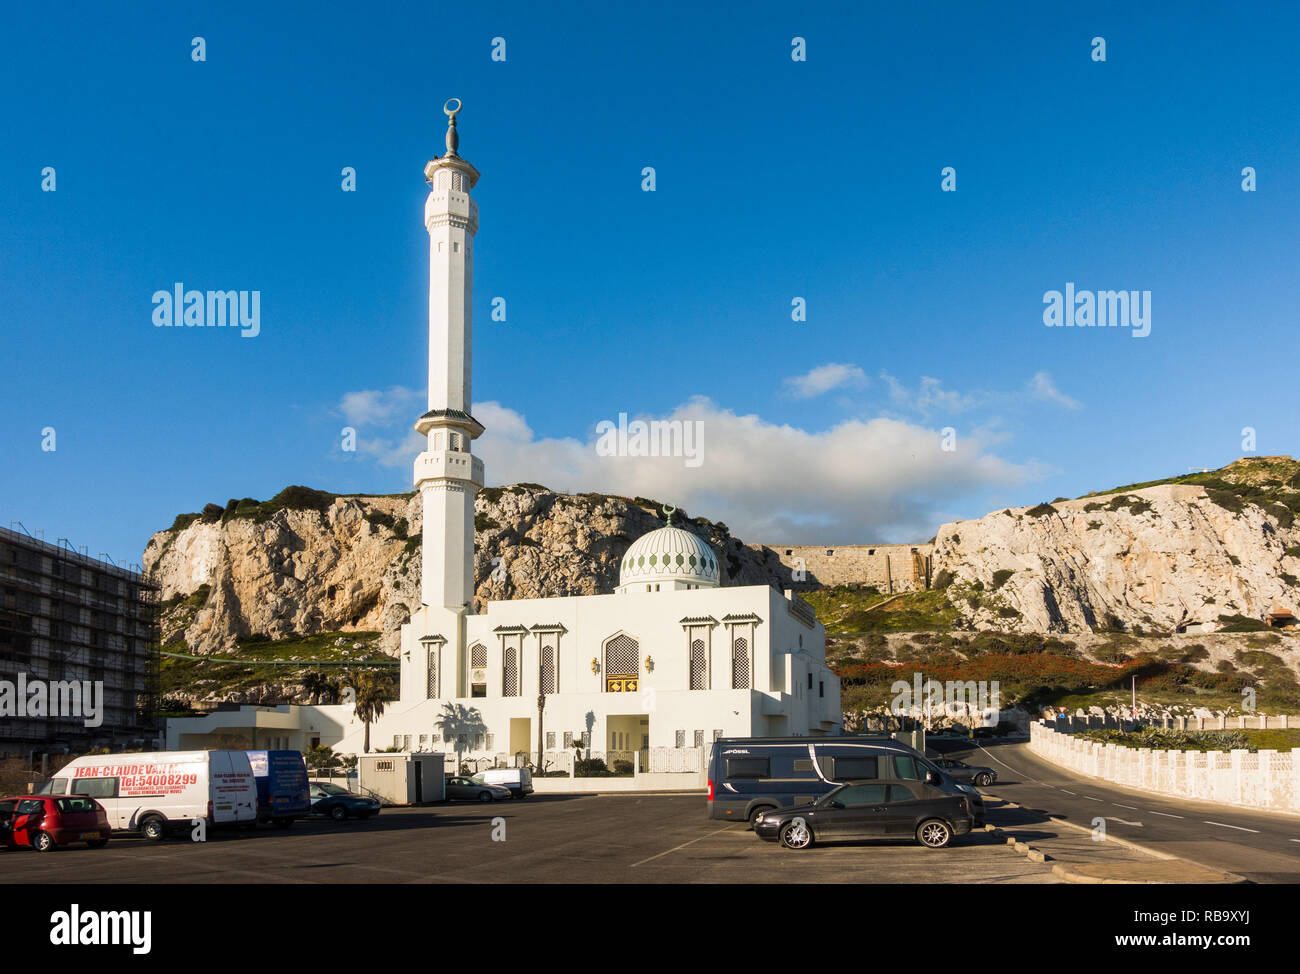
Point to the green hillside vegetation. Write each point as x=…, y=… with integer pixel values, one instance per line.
x=1195, y=740
x=846, y=610
x=294, y=498
x=258, y=661
x=1271, y=483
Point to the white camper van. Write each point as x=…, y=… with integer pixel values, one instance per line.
x=152, y=792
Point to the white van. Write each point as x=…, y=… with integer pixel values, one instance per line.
x=155, y=791
x=518, y=780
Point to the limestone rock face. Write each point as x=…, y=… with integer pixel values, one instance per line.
x=1152, y=558
x=356, y=566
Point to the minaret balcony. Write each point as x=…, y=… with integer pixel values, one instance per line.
x=450, y=419
x=448, y=465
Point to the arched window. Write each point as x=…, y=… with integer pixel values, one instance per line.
x=432, y=687
x=546, y=678
x=478, y=670
x=740, y=663
x=699, y=666
x=510, y=687
x=621, y=661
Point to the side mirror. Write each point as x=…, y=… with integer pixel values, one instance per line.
x=834, y=804
x=931, y=778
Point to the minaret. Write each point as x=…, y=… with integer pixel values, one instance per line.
x=447, y=474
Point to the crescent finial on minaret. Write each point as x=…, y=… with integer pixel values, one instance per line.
x=453, y=137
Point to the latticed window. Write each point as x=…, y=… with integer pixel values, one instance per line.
x=740, y=663
x=478, y=655
x=550, y=740
x=547, y=680
x=699, y=666
x=621, y=656
x=431, y=688
x=511, y=684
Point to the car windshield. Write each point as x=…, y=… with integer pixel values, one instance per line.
x=331, y=789
x=478, y=778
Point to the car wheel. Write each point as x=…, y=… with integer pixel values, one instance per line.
x=44, y=842
x=485, y=796
x=796, y=835
x=152, y=829
x=934, y=834
x=338, y=813
x=756, y=813
x=984, y=780
x=97, y=843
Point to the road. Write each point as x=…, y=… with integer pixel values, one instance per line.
x=551, y=839
x=1263, y=847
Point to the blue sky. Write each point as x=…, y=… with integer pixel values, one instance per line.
x=776, y=179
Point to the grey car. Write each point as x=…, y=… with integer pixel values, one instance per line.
x=871, y=810
x=973, y=774
x=469, y=790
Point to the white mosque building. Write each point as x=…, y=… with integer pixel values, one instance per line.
x=669, y=661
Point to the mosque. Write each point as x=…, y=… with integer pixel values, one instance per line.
x=670, y=660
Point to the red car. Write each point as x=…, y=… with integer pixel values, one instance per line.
x=45, y=822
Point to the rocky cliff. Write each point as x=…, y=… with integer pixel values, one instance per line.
x=308, y=562
x=1194, y=552
x=1197, y=550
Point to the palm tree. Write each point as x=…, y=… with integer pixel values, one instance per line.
x=320, y=687
x=458, y=724
x=371, y=696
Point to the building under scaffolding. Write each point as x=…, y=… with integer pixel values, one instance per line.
x=68, y=617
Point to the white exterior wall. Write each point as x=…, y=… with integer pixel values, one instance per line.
x=1263, y=779
x=778, y=702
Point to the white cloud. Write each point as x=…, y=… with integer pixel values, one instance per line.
x=929, y=397
x=370, y=406
x=1041, y=386
x=379, y=416
x=859, y=481
x=823, y=379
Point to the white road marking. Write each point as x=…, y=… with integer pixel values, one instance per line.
x=675, y=848
x=1132, y=808
x=1091, y=799
x=1165, y=814
x=1224, y=825
x=1116, y=818
x=1069, y=792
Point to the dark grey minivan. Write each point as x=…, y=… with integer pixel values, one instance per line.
x=750, y=776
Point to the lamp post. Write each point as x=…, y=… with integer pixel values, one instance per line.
x=541, y=705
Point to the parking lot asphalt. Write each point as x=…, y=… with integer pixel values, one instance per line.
x=544, y=839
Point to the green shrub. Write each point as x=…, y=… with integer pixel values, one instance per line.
x=1134, y=504
x=1240, y=623
x=590, y=768
x=1001, y=576
x=943, y=579
x=1042, y=510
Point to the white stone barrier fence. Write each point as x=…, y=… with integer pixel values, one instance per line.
x=1261, y=779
